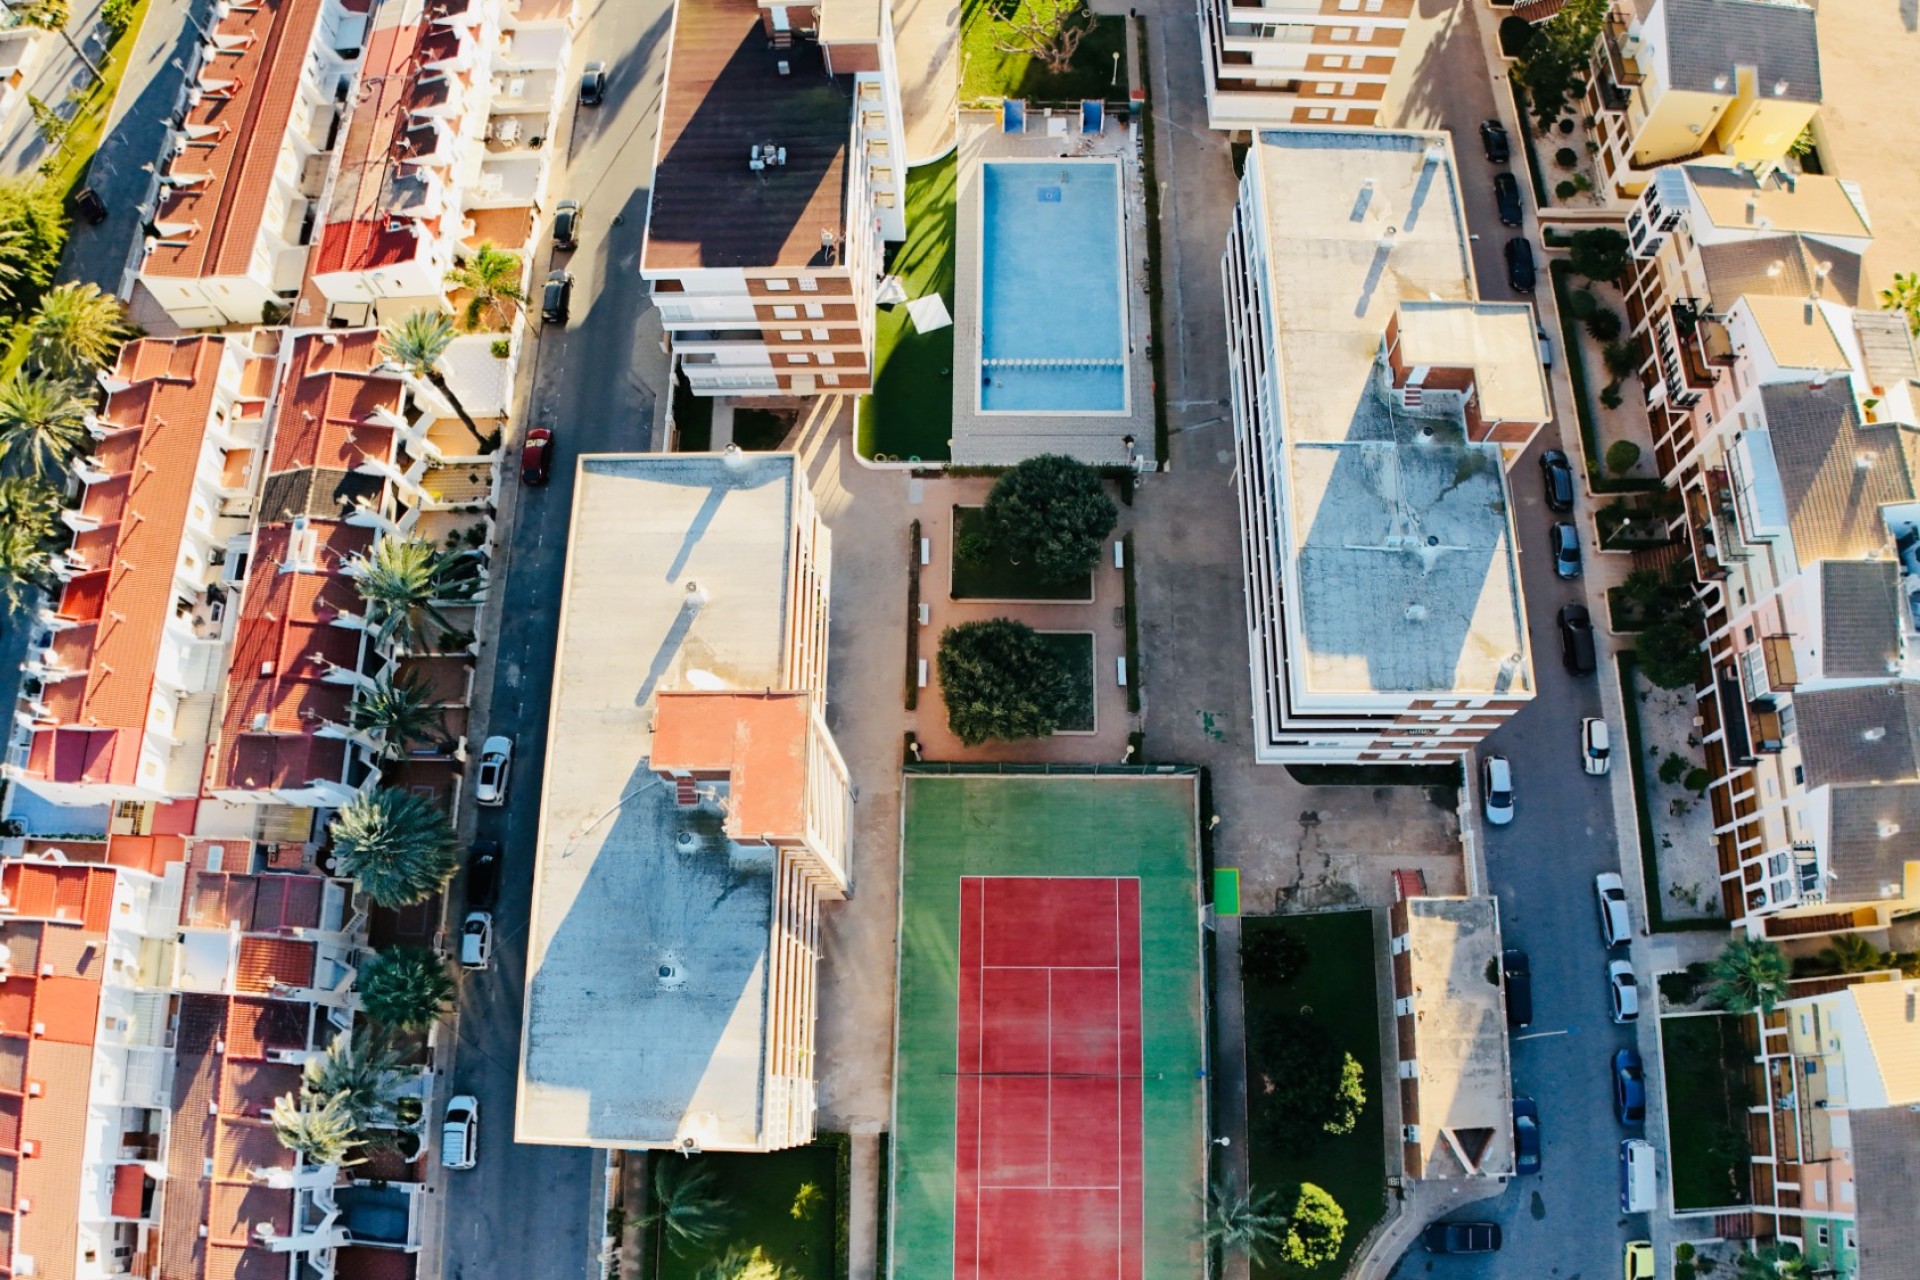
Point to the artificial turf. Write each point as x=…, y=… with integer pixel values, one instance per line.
x=1706, y=1118
x=1074, y=650
x=910, y=413
x=989, y=71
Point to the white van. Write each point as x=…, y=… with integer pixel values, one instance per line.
x=1638, y=1188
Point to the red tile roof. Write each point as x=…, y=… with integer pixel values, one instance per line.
x=759, y=740
x=209, y=228
x=326, y=400
x=56, y=1123
x=267, y=963
x=79, y=895
x=129, y=1190
x=158, y=427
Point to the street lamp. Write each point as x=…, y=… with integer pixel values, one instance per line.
x=1116, y=68
x=1127, y=440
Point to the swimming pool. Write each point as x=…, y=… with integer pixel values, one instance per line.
x=1053, y=315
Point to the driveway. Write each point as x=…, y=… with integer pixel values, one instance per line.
x=531, y=1210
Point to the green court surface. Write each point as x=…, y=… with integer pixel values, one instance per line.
x=1140, y=826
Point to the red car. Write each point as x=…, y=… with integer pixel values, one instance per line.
x=535, y=455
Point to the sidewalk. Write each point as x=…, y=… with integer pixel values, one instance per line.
x=926, y=45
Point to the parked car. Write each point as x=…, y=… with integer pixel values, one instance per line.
x=1616, y=923
x=1526, y=1136
x=476, y=940
x=1518, y=974
x=1546, y=346
x=483, y=875
x=460, y=1133
x=1493, y=136
x=496, y=767
x=1506, y=197
x=593, y=84
x=1520, y=265
x=536, y=456
x=1629, y=1087
x=566, y=225
x=1565, y=541
x=1576, y=639
x=556, y=298
x=1557, y=478
x=1496, y=788
x=1623, y=991
x=1596, y=745
x=1639, y=1260
x=1462, y=1237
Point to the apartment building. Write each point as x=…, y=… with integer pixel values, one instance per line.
x=234, y=208
x=1282, y=62
x=694, y=816
x=1374, y=397
x=1733, y=78
x=779, y=175
x=123, y=675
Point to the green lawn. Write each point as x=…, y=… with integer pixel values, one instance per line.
x=1706, y=1110
x=1075, y=649
x=988, y=72
x=764, y=1192
x=910, y=413
x=994, y=577
x=1337, y=988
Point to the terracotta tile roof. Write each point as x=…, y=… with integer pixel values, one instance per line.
x=209, y=228
x=13, y=1072
x=243, y=1144
x=10, y=1116
x=249, y=1088
x=69, y=1011
x=152, y=456
x=358, y=1262
x=255, y=1026
x=56, y=1123
x=325, y=402
x=72, y=894
x=9, y=1179
x=235, y=1210
x=758, y=740
x=286, y=902
x=16, y=1005
x=129, y=1190
x=218, y=901
x=267, y=963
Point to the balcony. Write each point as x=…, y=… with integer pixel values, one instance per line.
x=1702, y=533
x=1620, y=70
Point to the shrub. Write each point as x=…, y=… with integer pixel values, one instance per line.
x=1566, y=123
x=1315, y=1088
x=1565, y=190
x=1515, y=35
x=1566, y=157
x=1621, y=359
x=999, y=680
x=1273, y=956
x=1603, y=324
x=1610, y=395
x=1051, y=511
x=1621, y=455
x=1697, y=780
x=1316, y=1227
x=1669, y=654
x=1600, y=253
x=1583, y=304
x=1672, y=769
x=501, y=348
x=116, y=16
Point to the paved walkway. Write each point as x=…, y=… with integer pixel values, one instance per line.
x=926, y=48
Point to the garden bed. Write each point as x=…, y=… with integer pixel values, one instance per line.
x=787, y=1203
x=1098, y=68
x=1075, y=650
x=763, y=430
x=909, y=416
x=994, y=577
x=1706, y=1110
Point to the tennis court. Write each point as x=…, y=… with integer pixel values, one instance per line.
x=1050, y=1029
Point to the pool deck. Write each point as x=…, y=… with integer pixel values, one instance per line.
x=1002, y=439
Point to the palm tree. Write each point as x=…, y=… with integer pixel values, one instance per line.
x=1749, y=975
x=401, y=712
x=403, y=579
x=687, y=1206
x=77, y=329
x=14, y=254
x=43, y=423
x=1904, y=296
x=491, y=276
x=29, y=518
x=397, y=846
x=1852, y=953
x=743, y=1264
x=416, y=345
x=1771, y=1262
x=406, y=988
x=362, y=1068
x=1249, y=1224
x=320, y=1128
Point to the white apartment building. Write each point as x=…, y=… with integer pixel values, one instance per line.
x=1292, y=62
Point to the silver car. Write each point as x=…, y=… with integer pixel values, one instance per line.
x=1596, y=746
x=460, y=1133
x=496, y=765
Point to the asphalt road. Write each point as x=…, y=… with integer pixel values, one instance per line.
x=525, y=1210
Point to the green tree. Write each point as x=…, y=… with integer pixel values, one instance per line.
x=1600, y=253
x=739, y=1263
x=1904, y=296
x=1272, y=956
x=43, y=424
x=1621, y=358
x=53, y=127
x=404, y=581
x=1349, y=1097
x=320, y=1129
x=1249, y=1224
x=1604, y=324
x=688, y=1205
x=399, y=712
x=1669, y=653
x=362, y=1070
x=1621, y=455
x=491, y=277
x=1749, y=975
x=406, y=988
x=1047, y=30
x=1316, y=1228
x=33, y=231
x=416, y=343
x=1051, y=512
x=1771, y=1262
x=1852, y=953
x=397, y=846
x=29, y=523
x=1312, y=1087
x=77, y=329
x=1556, y=61
x=999, y=680
x=51, y=15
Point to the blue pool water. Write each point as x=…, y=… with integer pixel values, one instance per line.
x=1053, y=334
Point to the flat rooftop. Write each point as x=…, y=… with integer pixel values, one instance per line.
x=1404, y=577
x=1466, y=1099
x=646, y=988
x=725, y=95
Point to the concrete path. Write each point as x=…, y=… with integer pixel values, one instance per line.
x=926, y=47
x=863, y=1209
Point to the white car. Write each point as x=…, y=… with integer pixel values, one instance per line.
x=1496, y=788
x=1596, y=745
x=476, y=940
x=1616, y=923
x=460, y=1134
x=1623, y=991
x=496, y=765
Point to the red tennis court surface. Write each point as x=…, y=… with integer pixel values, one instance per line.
x=1047, y=1133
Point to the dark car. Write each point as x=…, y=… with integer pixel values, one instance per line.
x=1462, y=1237
x=593, y=84
x=556, y=298
x=1519, y=978
x=1629, y=1088
x=87, y=203
x=1506, y=195
x=1493, y=136
x=566, y=225
x=1557, y=477
x=483, y=875
x=1576, y=639
x=1520, y=265
x=1526, y=1136
x=536, y=456
x=1564, y=539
